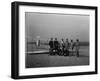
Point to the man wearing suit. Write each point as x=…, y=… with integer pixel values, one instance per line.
x=62, y=46
x=56, y=45
x=51, y=44
x=72, y=46
x=77, y=47
x=67, y=47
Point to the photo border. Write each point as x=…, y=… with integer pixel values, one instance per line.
x=15, y=39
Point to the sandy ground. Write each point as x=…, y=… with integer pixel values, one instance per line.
x=46, y=60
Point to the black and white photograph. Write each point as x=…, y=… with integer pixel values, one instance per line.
x=53, y=40
x=50, y=40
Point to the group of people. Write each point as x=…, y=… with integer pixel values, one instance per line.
x=64, y=47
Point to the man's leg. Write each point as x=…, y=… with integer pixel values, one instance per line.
x=67, y=51
x=63, y=51
x=72, y=52
x=77, y=53
x=50, y=50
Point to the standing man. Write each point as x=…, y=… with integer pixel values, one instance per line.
x=62, y=46
x=67, y=47
x=77, y=47
x=56, y=44
x=59, y=49
x=72, y=46
x=38, y=41
x=51, y=44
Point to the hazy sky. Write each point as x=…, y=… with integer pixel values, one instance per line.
x=56, y=25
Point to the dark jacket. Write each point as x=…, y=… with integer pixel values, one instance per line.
x=51, y=44
x=56, y=43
